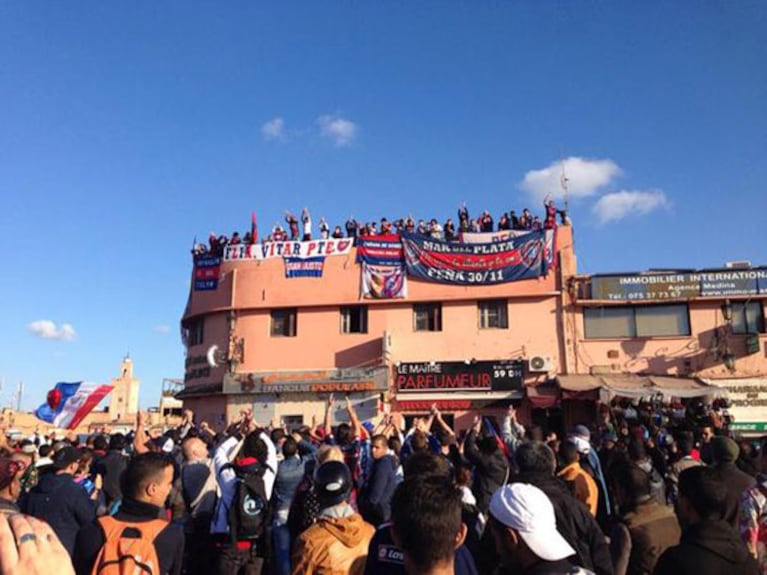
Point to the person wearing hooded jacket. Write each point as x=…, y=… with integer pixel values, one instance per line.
x=725, y=452
x=709, y=544
x=60, y=501
x=337, y=544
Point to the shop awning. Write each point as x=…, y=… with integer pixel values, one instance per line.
x=632, y=385
x=684, y=387
x=199, y=390
x=544, y=395
x=579, y=382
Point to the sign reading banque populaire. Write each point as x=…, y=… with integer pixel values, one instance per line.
x=266, y=250
x=503, y=375
x=513, y=259
x=707, y=283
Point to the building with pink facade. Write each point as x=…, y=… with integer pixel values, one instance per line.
x=278, y=326
x=669, y=331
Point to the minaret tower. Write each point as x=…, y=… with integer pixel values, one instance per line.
x=123, y=401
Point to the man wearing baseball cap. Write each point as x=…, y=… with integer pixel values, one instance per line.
x=524, y=529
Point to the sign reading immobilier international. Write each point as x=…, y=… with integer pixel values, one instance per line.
x=658, y=287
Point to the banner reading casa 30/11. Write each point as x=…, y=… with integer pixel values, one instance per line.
x=517, y=258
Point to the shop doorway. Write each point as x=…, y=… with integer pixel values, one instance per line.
x=551, y=419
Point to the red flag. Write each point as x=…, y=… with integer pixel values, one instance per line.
x=253, y=228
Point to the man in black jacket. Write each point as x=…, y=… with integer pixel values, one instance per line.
x=60, y=501
x=376, y=494
x=491, y=469
x=146, y=484
x=709, y=545
x=725, y=452
x=111, y=467
x=535, y=463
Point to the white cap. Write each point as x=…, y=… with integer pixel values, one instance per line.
x=528, y=511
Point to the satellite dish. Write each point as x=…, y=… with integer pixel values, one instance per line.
x=214, y=356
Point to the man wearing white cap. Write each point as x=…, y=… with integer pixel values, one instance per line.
x=525, y=532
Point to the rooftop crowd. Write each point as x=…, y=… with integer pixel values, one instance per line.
x=302, y=229
x=648, y=488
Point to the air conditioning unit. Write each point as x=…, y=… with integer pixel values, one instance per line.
x=540, y=363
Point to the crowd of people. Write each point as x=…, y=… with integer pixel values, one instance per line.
x=646, y=488
x=302, y=230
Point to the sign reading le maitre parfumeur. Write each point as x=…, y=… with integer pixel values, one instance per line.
x=471, y=375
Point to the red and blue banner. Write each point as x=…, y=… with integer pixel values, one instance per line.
x=519, y=258
x=206, y=272
x=383, y=282
x=385, y=250
x=67, y=404
x=503, y=235
x=304, y=267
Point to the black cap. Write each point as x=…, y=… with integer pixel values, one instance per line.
x=333, y=483
x=66, y=456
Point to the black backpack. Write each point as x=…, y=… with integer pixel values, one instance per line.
x=249, y=510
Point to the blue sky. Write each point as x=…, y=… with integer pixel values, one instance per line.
x=128, y=129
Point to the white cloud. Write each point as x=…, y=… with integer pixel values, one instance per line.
x=341, y=131
x=617, y=205
x=274, y=129
x=47, y=329
x=161, y=328
x=584, y=178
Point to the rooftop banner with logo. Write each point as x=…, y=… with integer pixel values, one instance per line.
x=476, y=264
x=383, y=282
x=304, y=267
x=504, y=235
x=380, y=250
x=308, y=249
x=206, y=272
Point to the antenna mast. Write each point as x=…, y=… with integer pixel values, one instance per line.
x=19, y=395
x=563, y=182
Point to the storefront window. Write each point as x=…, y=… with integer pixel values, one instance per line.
x=493, y=314
x=284, y=322
x=747, y=317
x=193, y=331
x=636, y=321
x=354, y=319
x=427, y=317
x=662, y=320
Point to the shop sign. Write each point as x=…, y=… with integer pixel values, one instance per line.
x=442, y=405
x=504, y=375
x=196, y=367
x=748, y=400
x=659, y=287
x=253, y=383
x=743, y=426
